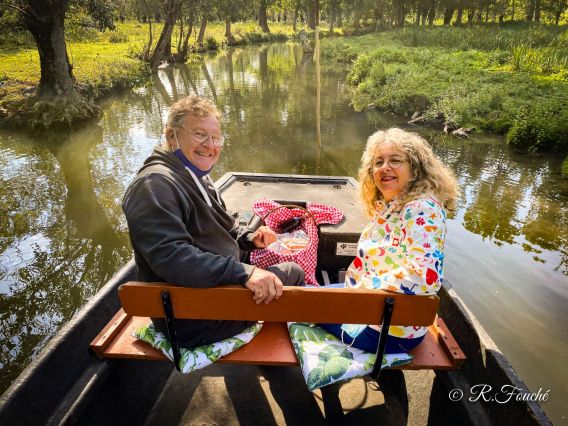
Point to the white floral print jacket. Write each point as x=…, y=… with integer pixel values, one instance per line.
x=401, y=250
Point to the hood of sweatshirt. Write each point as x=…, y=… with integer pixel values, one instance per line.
x=164, y=157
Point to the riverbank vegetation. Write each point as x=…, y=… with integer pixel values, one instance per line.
x=487, y=71
x=507, y=79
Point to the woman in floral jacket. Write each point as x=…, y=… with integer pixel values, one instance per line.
x=406, y=190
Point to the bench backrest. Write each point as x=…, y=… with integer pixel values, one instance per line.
x=301, y=304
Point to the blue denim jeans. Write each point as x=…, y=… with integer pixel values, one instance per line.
x=368, y=339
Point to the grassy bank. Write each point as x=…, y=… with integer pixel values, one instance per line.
x=104, y=61
x=511, y=80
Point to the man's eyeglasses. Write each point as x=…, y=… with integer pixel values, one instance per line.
x=394, y=163
x=202, y=137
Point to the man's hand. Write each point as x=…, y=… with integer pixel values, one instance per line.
x=263, y=237
x=265, y=286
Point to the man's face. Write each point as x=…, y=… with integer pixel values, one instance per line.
x=202, y=155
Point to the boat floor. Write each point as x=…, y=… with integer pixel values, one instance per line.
x=264, y=395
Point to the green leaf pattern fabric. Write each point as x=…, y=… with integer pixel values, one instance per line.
x=325, y=359
x=201, y=356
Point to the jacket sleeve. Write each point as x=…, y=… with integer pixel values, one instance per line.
x=155, y=211
x=243, y=235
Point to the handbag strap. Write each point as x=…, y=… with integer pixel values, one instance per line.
x=289, y=206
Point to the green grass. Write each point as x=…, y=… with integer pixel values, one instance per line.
x=450, y=76
x=111, y=55
x=104, y=61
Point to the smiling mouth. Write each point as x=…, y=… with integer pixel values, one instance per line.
x=387, y=178
x=203, y=154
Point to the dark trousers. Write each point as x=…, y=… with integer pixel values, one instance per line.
x=368, y=340
x=192, y=333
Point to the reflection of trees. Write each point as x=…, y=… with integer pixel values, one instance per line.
x=169, y=72
x=187, y=79
x=210, y=82
x=64, y=245
x=547, y=219
x=497, y=199
x=159, y=86
x=508, y=199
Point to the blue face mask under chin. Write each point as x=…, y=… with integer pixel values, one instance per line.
x=179, y=154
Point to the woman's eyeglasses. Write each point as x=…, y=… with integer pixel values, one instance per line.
x=394, y=163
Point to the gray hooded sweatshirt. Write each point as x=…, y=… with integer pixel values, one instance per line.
x=177, y=238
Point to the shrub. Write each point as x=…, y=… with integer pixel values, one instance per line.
x=359, y=70
x=81, y=27
x=211, y=43
x=117, y=36
x=540, y=128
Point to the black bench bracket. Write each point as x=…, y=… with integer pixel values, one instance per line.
x=171, y=326
x=387, y=316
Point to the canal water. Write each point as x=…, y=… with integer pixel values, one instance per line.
x=63, y=235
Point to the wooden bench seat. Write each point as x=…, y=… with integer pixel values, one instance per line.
x=272, y=345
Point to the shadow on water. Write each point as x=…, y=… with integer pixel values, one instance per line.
x=62, y=233
x=58, y=252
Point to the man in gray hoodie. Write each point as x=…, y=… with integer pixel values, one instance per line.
x=180, y=229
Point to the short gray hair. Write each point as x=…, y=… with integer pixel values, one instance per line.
x=193, y=105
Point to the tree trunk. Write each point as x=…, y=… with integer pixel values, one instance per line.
x=296, y=14
x=202, y=32
x=400, y=15
x=458, y=22
x=332, y=13
x=513, y=11
x=432, y=15
x=537, y=11
x=530, y=10
x=312, y=14
x=228, y=33
x=46, y=20
x=165, y=41
x=448, y=15
x=262, y=20
x=557, y=17
x=57, y=102
x=183, y=47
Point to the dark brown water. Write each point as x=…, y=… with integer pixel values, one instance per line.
x=62, y=233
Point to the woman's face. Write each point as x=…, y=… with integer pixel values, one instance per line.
x=391, y=171
x=202, y=155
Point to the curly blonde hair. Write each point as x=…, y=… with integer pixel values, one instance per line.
x=429, y=176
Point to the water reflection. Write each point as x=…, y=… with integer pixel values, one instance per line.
x=62, y=233
x=58, y=241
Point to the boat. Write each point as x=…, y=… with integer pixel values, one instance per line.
x=66, y=384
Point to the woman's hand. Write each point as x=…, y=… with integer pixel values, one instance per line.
x=265, y=286
x=263, y=237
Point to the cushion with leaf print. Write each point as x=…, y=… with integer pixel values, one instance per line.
x=325, y=359
x=201, y=356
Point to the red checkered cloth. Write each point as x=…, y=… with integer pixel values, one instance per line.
x=306, y=258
